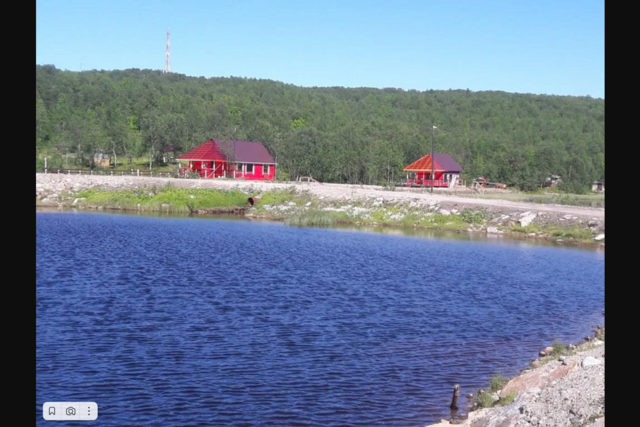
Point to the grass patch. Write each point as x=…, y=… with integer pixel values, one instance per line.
x=166, y=198
x=279, y=196
x=312, y=219
x=497, y=382
x=505, y=400
x=559, y=348
x=485, y=400
x=575, y=233
x=472, y=217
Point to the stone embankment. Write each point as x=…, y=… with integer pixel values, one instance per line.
x=566, y=390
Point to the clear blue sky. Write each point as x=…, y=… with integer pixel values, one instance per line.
x=541, y=46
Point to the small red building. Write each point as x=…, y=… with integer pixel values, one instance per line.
x=230, y=159
x=445, y=170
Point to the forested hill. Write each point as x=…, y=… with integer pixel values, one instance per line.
x=358, y=135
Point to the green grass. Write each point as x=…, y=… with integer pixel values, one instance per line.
x=165, y=198
x=485, y=400
x=497, y=382
x=280, y=196
x=505, y=400
x=559, y=348
x=555, y=232
x=312, y=218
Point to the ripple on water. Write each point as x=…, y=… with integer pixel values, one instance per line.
x=238, y=323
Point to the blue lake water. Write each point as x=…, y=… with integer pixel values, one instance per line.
x=179, y=321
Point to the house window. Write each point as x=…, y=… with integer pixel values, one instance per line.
x=239, y=167
x=265, y=169
x=249, y=167
x=204, y=165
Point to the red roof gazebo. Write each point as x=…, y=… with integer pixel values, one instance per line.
x=445, y=170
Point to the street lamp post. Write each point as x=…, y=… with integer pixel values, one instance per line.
x=433, y=142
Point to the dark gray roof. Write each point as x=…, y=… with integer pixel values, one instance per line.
x=245, y=151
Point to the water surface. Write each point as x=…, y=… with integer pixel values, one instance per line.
x=178, y=321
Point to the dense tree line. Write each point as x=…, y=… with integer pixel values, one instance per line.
x=356, y=135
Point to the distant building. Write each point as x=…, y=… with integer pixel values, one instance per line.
x=230, y=159
x=598, y=186
x=553, y=180
x=446, y=172
x=101, y=160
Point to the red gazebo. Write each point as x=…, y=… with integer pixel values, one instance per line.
x=445, y=170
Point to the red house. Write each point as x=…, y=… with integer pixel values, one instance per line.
x=445, y=170
x=230, y=159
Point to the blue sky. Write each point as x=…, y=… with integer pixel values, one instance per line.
x=543, y=46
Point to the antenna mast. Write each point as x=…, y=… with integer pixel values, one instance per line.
x=167, y=53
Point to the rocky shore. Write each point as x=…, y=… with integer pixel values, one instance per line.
x=365, y=205
x=563, y=388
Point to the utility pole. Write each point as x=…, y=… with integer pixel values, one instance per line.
x=433, y=142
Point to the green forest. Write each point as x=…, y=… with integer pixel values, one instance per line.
x=335, y=134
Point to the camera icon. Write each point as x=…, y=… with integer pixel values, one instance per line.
x=71, y=410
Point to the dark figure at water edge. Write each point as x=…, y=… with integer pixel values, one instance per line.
x=454, y=399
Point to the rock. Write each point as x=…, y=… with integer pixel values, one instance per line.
x=571, y=347
x=307, y=204
x=444, y=212
x=597, y=342
x=563, y=359
x=535, y=364
x=599, y=237
x=291, y=203
x=599, y=422
x=527, y=219
x=454, y=211
x=590, y=361
x=191, y=196
x=495, y=397
x=493, y=230
x=531, y=234
x=75, y=202
x=548, y=350
x=537, y=378
x=542, y=353
x=45, y=200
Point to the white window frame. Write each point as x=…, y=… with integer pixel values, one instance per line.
x=265, y=169
x=249, y=171
x=240, y=167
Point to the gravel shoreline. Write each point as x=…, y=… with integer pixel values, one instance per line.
x=566, y=391
x=501, y=217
